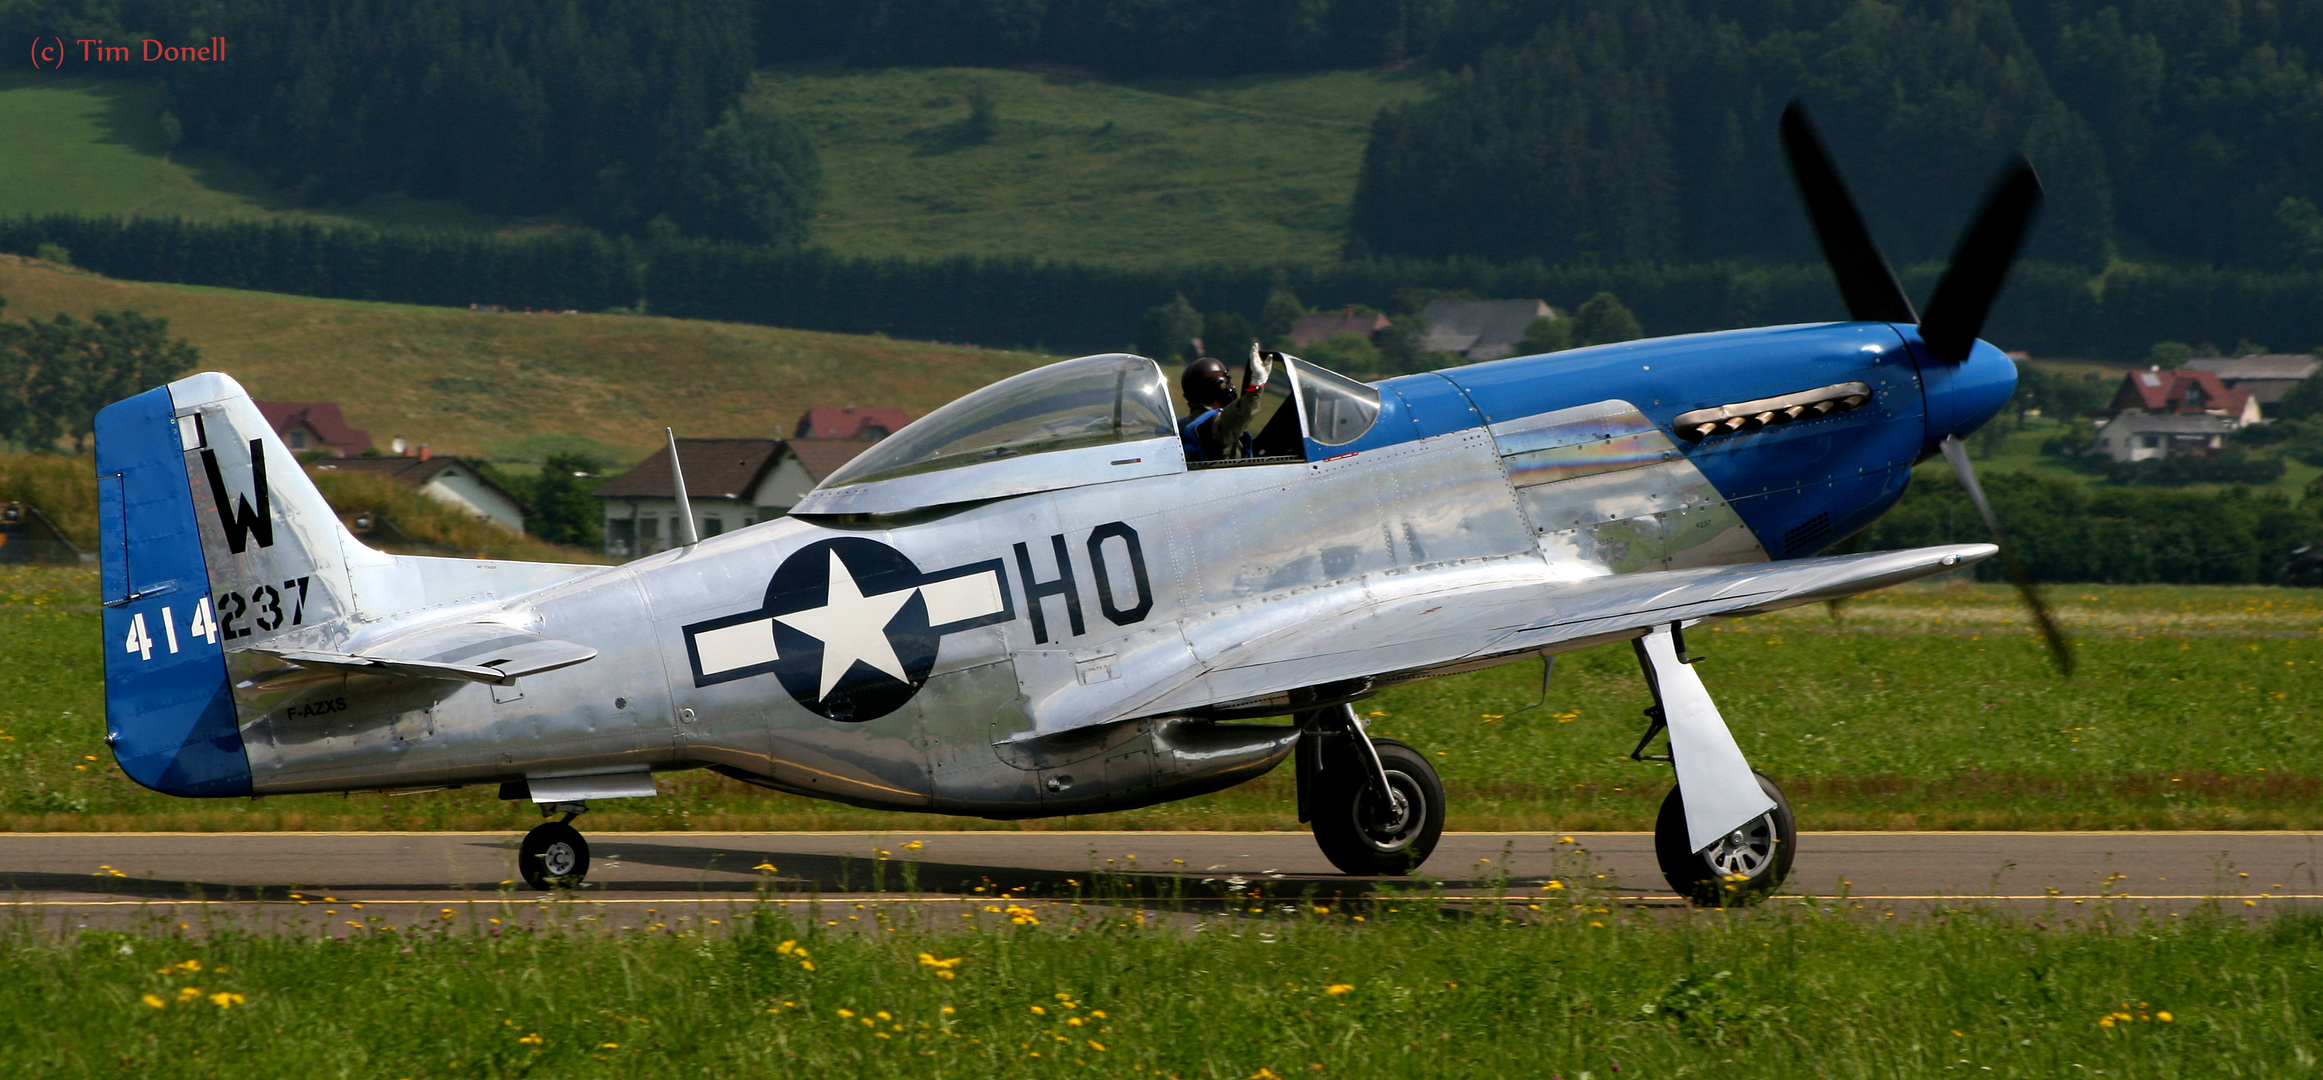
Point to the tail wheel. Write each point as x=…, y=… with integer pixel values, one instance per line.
x=1366, y=834
x=1742, y=868
x=553, y=856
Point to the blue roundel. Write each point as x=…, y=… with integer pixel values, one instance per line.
x=810, y=597
x=849, y=626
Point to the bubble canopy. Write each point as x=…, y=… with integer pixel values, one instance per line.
x=1092, y=401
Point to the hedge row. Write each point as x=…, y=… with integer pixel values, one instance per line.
x=2051, y=310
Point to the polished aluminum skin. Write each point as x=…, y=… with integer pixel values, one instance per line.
x=1026, y=604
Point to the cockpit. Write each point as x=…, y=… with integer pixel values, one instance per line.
x=1092, y=401
x=1307, y=407
x=1090, y=420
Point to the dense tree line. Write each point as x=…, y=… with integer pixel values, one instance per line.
x=617, y=113
x=2049, y=309
x=2066, y=531
x=1117, y=37
x=56, y=374
x=1613, y=130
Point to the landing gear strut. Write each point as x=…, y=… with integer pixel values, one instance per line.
x=1725, y=834
x=553, y=855
x=1375, y=805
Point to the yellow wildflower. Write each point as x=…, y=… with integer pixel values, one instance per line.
x=189, y=994
x=1336, y=989
x=225, y=999
x=532, y=1039
x=154, y=1001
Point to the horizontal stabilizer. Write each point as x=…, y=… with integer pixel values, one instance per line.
x=477, y=652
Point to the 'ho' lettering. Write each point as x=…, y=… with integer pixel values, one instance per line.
x=1106, y=603
x=1066, y=584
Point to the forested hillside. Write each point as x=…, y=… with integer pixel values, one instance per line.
x=614, y=113
x=1585, y=132
x=1610, y=131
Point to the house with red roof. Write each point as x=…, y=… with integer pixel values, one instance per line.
x=306, y=426
x=2167, y=413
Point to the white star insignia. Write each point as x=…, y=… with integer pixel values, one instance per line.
x=851, y=627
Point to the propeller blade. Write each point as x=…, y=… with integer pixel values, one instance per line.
x=2061, y=650
x=1866, y=281
x=1956, y=313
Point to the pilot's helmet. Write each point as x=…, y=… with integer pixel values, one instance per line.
x=1207, y=383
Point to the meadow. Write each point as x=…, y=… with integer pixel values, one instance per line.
x=99, y=146
x=1924, y=707
x=1401, y=987
x=1251, y=169
x=505, y=384
x=1074, y=167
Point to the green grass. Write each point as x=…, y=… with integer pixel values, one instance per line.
x=2020, y=452
x=95, y=146
x=1582, y=993
x=1928, y=707
x=1254, y=169
x=469, y=382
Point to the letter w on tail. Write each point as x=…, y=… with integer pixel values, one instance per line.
x=241, y=520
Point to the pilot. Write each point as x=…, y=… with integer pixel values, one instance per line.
x=1219, y=430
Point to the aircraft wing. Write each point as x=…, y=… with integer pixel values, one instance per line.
x=487, y=652
x=1435, y=622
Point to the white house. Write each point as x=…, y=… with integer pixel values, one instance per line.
x=2139, y=436
x=730, y=482
x=447, y=480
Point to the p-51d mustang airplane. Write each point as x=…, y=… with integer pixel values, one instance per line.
x=1031, y=603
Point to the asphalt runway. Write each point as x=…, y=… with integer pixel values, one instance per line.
x=320, y=878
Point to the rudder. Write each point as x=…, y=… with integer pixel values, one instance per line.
x=213, y=541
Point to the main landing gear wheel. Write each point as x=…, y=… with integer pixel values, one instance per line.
x=553, y=856
x=1742, y=868
x=1367, y=835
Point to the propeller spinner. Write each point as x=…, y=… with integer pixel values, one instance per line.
x=1956, y=313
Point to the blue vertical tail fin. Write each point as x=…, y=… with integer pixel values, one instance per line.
x=213, y=541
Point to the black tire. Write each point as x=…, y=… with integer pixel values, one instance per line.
x=1349, y=822
x=1744, y=868
x=553, y=856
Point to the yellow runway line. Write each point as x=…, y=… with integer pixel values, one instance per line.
x=1027, y=901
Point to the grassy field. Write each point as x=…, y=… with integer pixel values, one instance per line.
x=1575, y=993
x=95, y=146
x=1260, y=168
x=1928, y=707
x=2020, y=452
x=1252, y=169
x=498, y=384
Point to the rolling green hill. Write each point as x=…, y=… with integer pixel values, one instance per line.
x=502, y=384
x=1253, y=169
x=97, y=146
